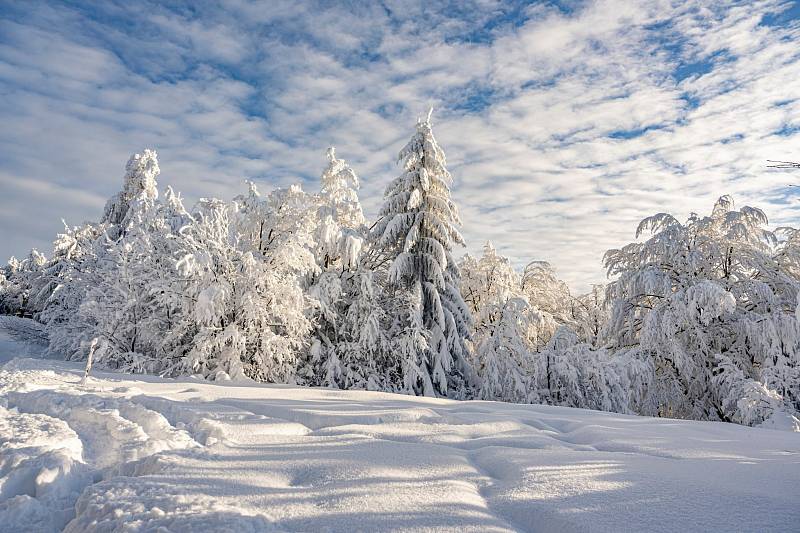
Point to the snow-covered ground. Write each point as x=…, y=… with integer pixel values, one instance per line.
x=138, y=453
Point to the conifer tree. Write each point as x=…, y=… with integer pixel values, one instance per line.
x=415, y=236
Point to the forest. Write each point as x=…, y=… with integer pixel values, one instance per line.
x=699, y=318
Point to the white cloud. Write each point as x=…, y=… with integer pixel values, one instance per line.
x=259, y=89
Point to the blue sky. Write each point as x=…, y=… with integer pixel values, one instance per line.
x=564, y=122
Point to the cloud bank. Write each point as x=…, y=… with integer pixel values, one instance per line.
x=564, y=122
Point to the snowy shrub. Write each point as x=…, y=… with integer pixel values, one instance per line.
x=247, y=306
x=713, y=302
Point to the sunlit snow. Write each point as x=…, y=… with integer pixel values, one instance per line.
x=144, y=453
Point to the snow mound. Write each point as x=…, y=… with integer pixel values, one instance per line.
x=55, y=443
x=114, y=431
x=41, y=471
x=154, y=506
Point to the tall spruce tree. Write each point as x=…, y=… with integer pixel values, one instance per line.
x=415, y=235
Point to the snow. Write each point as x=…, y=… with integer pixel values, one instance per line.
x=20, y=337
x=139, y=453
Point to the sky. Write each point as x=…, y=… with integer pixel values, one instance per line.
x=564, y=122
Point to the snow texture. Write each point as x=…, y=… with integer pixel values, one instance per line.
x=140, y=453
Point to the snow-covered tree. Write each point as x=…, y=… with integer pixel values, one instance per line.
x=415, y=235
x=524, y=353
x=13, y=297
x=503, y=355
x=64, y=282
x=339, y=239
x=575, y=374
x=71, y=249
x=141, y=172
x=488, y=279
x=382, y=338
x=247, y=307
x=172, y=292
x=19, y=289
x=99, y=283
x=501, y=320
x=590, y=314
x=713, y=302
x=134, y=299
x=545, y=291
x=339, y=233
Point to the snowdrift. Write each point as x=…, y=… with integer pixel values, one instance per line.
x=141, y=453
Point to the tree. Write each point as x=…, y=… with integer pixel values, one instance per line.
x=247, y=309
x=576, y=374
x=82, y=256
x=105, y=280
x=19, y=296
x=341, y=219
x=339, y=239
x=61, y=284
x=590, y=314
x=141, y=172
x=713, y=303
x=503, y=356
x=489, y=279
x=503, y=326
x=523, y=354
x=363, y=351
x=417, y=230
x=546, y=292
x=130, y=307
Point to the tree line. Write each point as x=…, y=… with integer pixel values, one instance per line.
x=699, y=320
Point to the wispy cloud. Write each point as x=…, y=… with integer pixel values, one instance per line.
x=563, y=125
